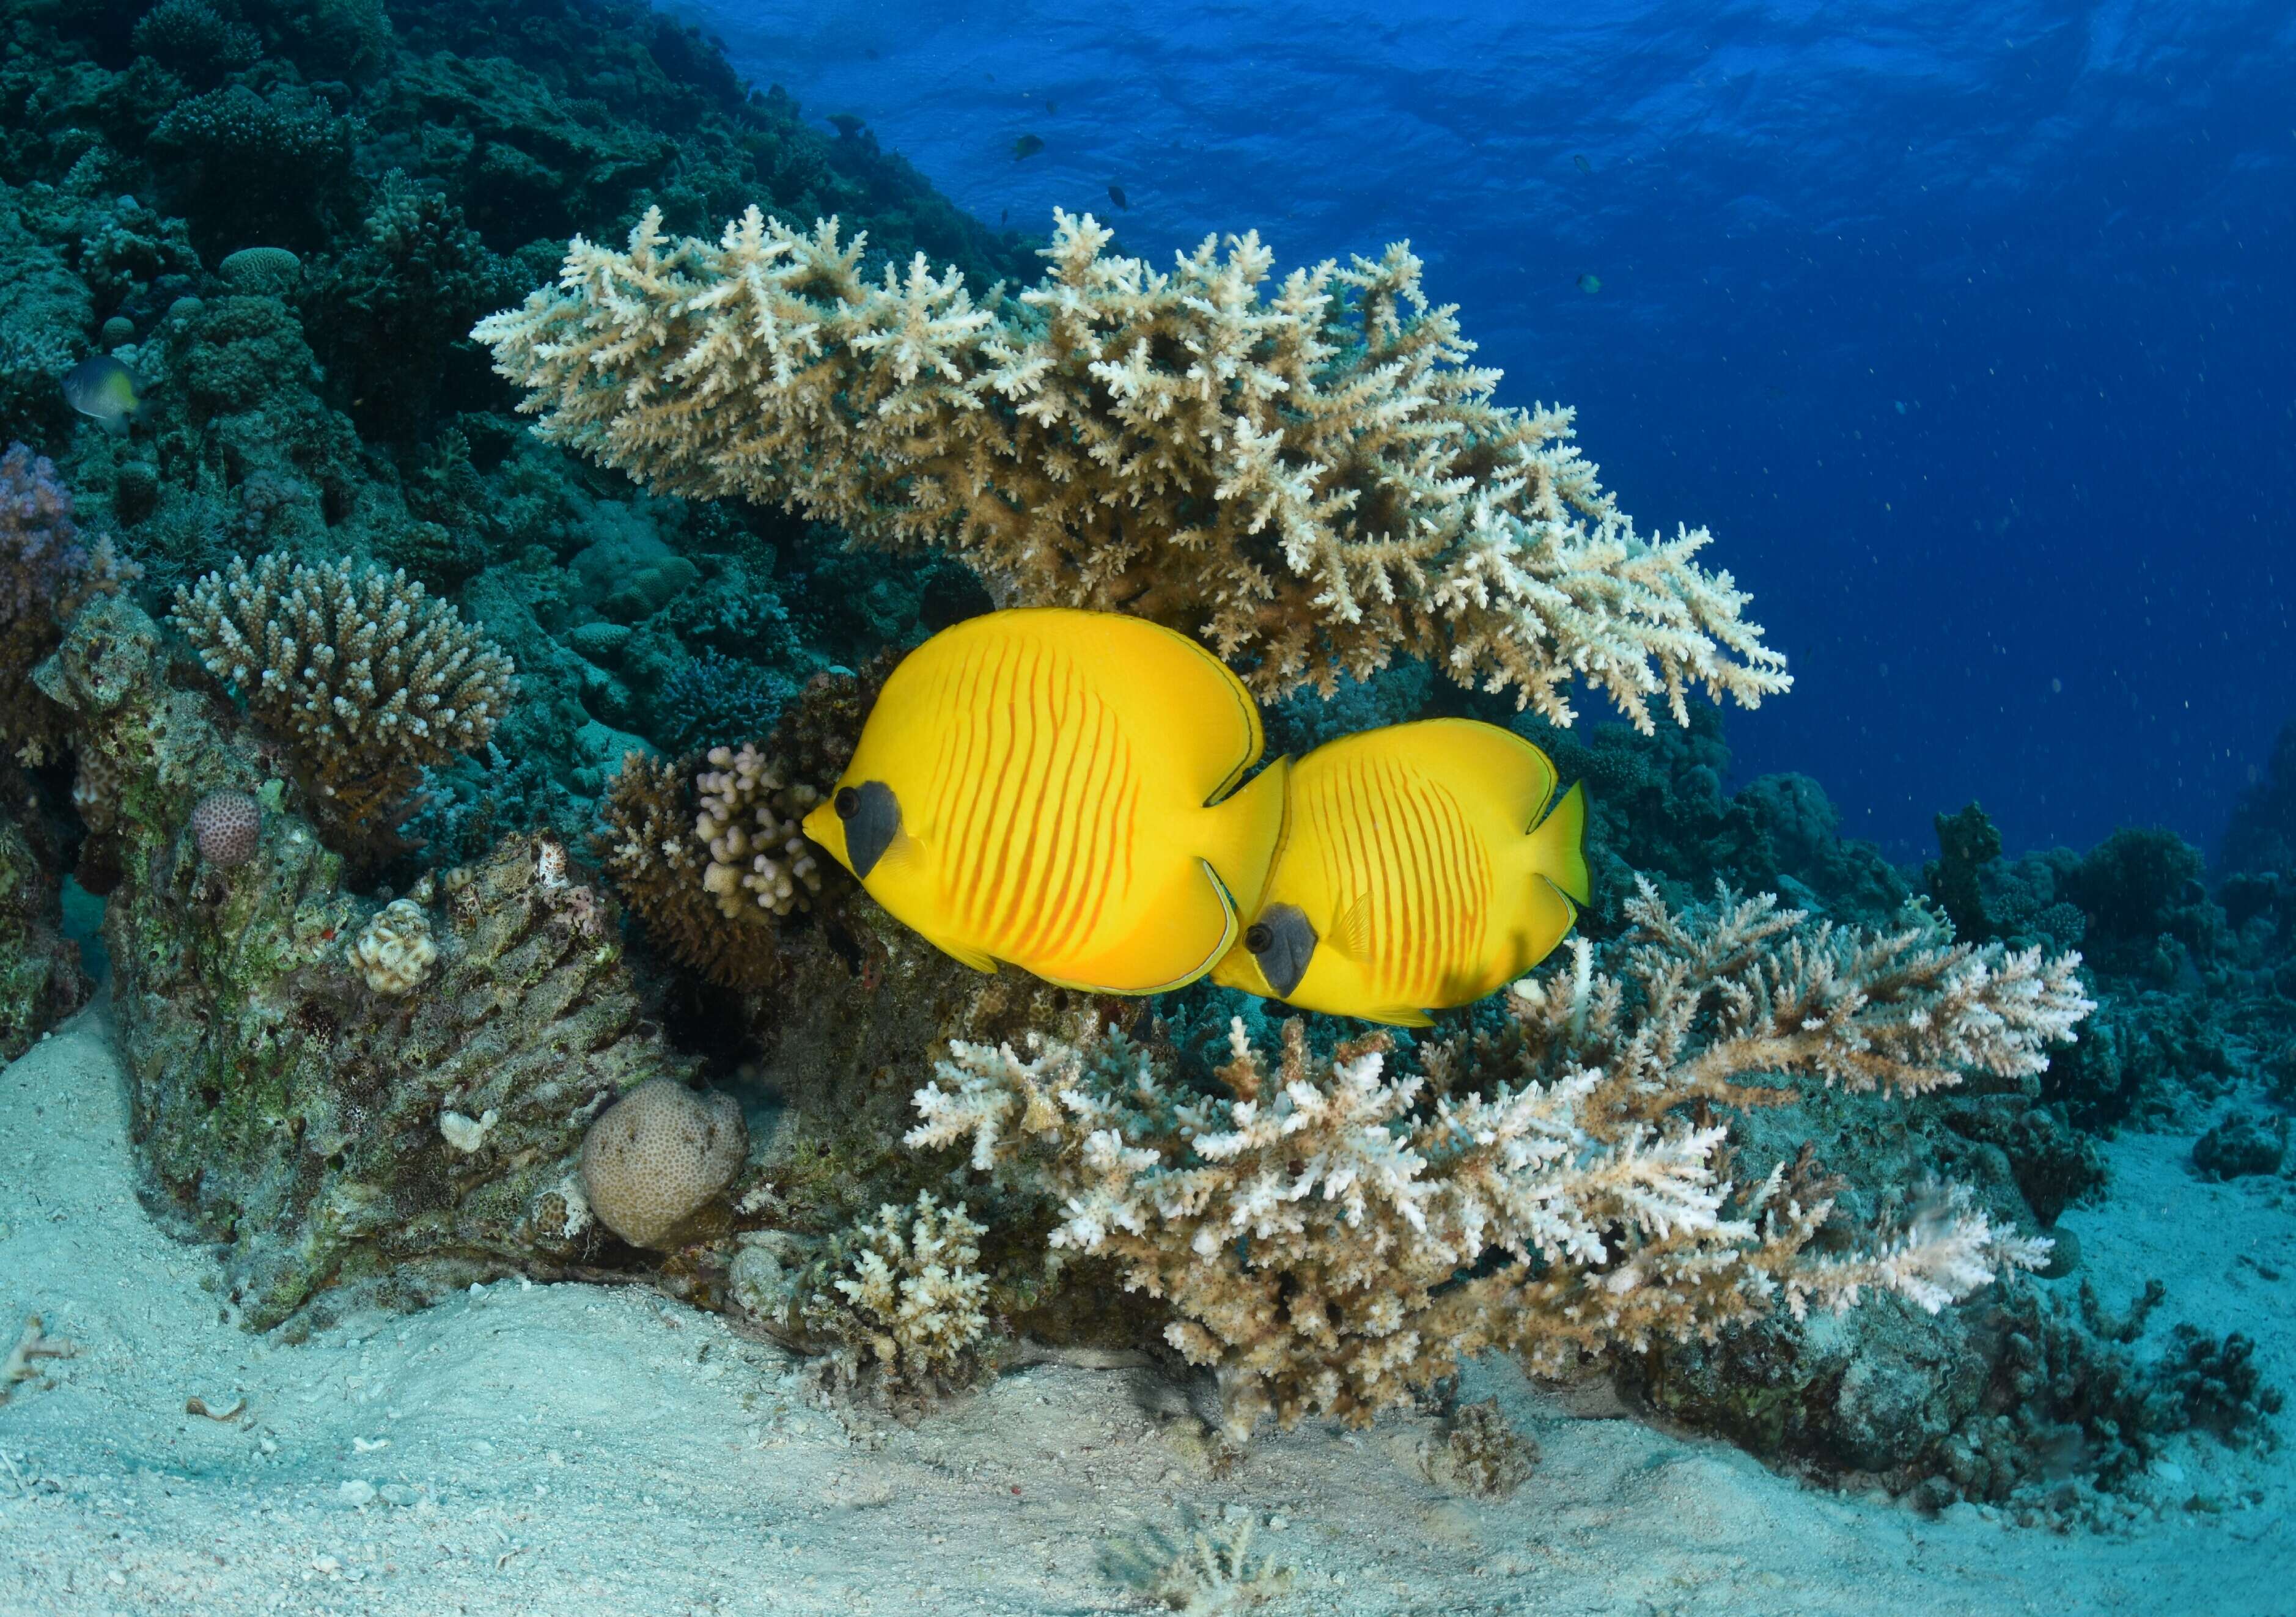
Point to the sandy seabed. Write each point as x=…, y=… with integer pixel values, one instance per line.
x=567, y=1448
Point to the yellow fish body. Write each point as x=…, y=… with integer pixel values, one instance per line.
x=1053, y=789
x=1419, y=869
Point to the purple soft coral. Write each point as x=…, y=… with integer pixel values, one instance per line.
x=40, y=554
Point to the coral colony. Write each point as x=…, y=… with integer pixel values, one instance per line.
x=356, y=684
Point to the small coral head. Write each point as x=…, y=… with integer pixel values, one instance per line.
x=228, y=827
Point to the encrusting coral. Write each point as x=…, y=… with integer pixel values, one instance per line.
x=284, y=1110
x=40, y=977
x=1309, y=1227
x=362, y=673
x=1314, y=481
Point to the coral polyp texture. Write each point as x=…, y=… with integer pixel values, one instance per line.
x=1311, y=475
x=657, y=1155
x=1310, y=1227
x=751, y=821
x=394, y=951
x=365, y=674
x=227, y=828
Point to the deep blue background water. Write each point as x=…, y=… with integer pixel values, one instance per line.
x=1969, y=328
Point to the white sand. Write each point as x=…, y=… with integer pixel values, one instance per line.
x=546, y=1449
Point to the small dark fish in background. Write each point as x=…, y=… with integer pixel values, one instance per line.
x=103, y=390
x=1052, y=106
x=1584, y=165
x=846, y=124
x=1116, y=195
x=1026, y=146
x=1590, y=283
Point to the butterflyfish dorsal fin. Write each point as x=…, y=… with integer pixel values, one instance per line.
x=1485, y=763
x=1188, y=709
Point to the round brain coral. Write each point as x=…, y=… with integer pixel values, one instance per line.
x=228, y=826
x=657, y=1155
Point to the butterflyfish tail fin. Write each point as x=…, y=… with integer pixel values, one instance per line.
x=1558, y=845
x=1245, y=831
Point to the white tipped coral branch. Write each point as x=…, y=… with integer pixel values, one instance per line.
x=1331, y=1236
x=33, y=1345
x=1315, y=478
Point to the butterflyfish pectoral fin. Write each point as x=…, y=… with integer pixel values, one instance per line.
x=1351, y=933
x=1399, y=1016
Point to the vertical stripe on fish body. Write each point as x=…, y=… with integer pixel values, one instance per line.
x=1056, y=788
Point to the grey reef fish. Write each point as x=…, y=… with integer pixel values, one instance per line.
x=103, y=390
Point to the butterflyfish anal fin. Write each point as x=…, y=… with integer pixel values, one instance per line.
x=1398, y=1017
x=1548, y=914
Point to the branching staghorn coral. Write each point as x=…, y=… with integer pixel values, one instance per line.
x=1331, y=1235
x=365, y=674
x=1315, y=479
x=901, y=1294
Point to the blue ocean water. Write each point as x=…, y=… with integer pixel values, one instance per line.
x=1964, y=327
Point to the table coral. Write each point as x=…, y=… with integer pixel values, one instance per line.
x=1315, y=478
x=1308, y=1226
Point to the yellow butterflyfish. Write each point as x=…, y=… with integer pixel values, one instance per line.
x=1058, y=789
x=1419, y=869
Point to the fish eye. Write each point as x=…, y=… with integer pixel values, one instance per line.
x=849, y=802
x=1258, y=937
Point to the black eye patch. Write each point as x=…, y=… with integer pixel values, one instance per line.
x=1282, y=940
x=871, y=822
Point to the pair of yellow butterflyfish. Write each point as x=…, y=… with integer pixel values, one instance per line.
x=1059, y=789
